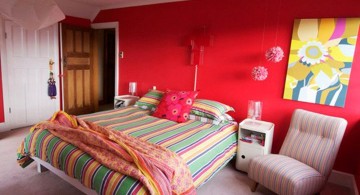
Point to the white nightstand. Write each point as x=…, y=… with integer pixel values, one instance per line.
x=255, y=138
x=124, y=100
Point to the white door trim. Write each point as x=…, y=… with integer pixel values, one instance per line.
x=116, y=26
x=5, y=126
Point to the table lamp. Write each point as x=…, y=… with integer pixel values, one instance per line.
x=132, y=88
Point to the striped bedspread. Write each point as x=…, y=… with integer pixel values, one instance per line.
x=206, y=148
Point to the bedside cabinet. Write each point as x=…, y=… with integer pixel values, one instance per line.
x=124, y=100
x=255, y=138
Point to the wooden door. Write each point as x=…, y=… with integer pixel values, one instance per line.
x=27, y=55
x=77, y=66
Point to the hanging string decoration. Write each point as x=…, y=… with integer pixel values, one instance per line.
x=259, y=73
x=274, y=54
x=51, y=81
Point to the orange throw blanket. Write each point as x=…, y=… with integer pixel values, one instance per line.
x=159, y=169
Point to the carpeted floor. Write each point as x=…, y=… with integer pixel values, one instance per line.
x=15, y=180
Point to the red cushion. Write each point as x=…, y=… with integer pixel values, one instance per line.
x=176, y=105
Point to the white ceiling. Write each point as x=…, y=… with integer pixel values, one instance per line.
x=90, y=8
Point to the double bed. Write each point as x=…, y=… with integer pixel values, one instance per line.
x=205, y=147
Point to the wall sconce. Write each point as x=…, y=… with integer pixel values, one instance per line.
x=198, y=41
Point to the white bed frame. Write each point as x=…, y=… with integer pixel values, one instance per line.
x=43, y=166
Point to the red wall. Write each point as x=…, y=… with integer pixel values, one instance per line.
x=152, y=40
x=76, y=21
x=357, y=178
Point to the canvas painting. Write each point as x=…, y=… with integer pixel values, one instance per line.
x=320, y=60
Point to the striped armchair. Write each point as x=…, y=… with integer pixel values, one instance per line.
x=306, y=157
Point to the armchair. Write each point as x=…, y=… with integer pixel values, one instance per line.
x=306, y=157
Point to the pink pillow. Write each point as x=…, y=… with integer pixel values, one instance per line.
x=176, y=105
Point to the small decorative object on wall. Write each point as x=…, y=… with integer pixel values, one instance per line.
x=198, y=41
x=51, y=81
x=274, y=54
x=259, y=73
x=320, y=60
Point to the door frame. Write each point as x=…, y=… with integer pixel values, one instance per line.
x=4, y=126
x=114, y=25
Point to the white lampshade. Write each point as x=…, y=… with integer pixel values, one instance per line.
x=132, y=88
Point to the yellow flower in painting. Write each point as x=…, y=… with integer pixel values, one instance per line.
x=318, y=40
x=313, y=52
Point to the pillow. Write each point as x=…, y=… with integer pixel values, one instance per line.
x=150, y=100
x=210, y=109
x=176, y=105
x=227, y=119
x=203, y=119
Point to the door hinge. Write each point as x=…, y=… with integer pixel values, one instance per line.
x=10, y=110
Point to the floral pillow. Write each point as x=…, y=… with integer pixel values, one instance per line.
x=176, y=105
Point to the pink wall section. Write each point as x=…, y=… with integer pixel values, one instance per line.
x=2, y=115
x=152, y=40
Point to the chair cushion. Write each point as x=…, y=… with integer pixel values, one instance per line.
x=314, y=139
x=285, y=175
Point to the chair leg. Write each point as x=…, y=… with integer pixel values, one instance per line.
x=253, y=185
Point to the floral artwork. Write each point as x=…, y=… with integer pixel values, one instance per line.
x=320, y=60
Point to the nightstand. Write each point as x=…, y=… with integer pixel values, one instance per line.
x=255, y=138
x=124, y=100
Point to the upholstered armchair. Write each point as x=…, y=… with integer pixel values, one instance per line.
x=306, y=157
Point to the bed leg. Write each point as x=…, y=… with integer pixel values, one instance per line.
x=40, y=168
x=253, y=185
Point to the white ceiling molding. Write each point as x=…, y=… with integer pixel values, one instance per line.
x=132, y=3
x=90, y=8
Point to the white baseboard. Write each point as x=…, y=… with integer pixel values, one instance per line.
x=344, y=179
x=4, y=127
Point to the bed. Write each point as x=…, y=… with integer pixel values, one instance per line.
x=205, y=148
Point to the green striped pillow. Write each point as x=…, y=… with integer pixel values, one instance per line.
x=150, y=100
x=210, y=109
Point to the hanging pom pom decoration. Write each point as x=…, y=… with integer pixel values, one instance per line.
x=51, y=81
x=274, y=54
x=259, y=73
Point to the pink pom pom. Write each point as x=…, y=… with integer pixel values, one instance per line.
x=274, y=54
x=259, y=73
